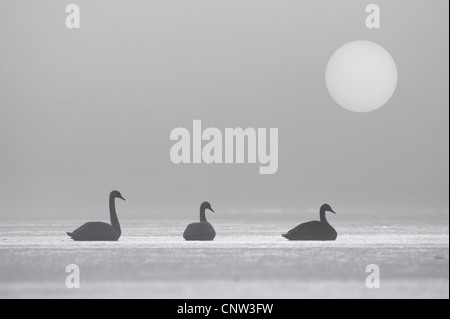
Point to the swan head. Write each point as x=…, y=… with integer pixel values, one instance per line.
x=327, y=208
x=117, y=194
x=206, y=206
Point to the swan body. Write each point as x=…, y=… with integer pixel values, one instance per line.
x=95, y=231
x=98, y=231
x=315, y=230
x=202, y=231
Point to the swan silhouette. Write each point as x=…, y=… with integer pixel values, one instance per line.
x=318, y=231
x=202, y=231
x=97, y=231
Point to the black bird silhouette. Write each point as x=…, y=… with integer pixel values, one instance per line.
x=202, y=231
x=97, y=231
x=314, y=231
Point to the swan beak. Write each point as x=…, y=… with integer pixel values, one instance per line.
x=212, y=210
x=122, y=198
x=332, y=211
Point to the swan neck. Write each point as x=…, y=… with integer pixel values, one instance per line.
x=323, y=217
x=114, y=220
x=203, y=215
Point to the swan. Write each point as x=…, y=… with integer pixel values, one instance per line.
x=202, y=231
x=97, y=231
x=319, y=231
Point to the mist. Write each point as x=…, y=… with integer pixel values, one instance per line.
x=84, y=112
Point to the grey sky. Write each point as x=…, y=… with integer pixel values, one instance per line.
x=87, y=111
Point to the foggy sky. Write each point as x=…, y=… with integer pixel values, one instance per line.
x=83, y=112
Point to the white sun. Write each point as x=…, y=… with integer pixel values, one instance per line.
x=361, y=76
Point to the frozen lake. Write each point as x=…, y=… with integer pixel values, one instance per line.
x=247, y=260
